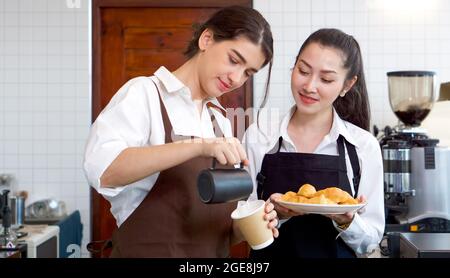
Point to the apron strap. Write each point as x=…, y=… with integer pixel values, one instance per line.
x=355, y=165
x=280, y=142
x=167, y=125
x=168, y=128
x=343, y=179
x=217, y=130
x=353, y=161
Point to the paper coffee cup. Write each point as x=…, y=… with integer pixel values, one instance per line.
x=249, y=216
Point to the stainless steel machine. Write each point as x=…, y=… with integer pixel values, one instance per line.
x=416, y=168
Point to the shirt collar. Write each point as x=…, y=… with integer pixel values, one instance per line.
x=282, y=131
x=172, y=84
x=339, y=127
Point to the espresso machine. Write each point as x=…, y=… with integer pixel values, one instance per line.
x=416, y=168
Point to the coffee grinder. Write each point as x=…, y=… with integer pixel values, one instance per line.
x=416, y=169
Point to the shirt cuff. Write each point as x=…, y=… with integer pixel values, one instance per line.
x=352, y=229
x=96, y=165
x=354, y=233
x=338, y=227
x=108, y=191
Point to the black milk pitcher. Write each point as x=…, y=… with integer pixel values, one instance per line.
x=224, y=185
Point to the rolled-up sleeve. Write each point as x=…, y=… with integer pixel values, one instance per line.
x=124, y=123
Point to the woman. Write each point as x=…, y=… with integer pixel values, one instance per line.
x=323, y=141
x=134, y=157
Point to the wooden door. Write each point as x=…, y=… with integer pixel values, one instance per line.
x=134, y=38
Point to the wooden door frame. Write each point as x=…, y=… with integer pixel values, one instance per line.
x=97, y=6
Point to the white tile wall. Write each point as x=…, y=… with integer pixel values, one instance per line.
x=45, y=100
x=393, y=35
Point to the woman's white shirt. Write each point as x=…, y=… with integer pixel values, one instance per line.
x=366, y=230
x=132, y=119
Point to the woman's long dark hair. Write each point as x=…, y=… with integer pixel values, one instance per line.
x=237, y=21
x=354, y=106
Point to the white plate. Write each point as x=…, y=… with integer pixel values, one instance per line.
x=320, y=209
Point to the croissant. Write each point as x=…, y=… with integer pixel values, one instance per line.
x=329, y=196
x=293, y=197
x=307, y=191
x=288, y=196
x=350, y=202
x=321, y=199
x=335, y=194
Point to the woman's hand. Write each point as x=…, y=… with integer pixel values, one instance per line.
x=283, y=212
x=346, y=218
x=227, y=151
x=271, y=216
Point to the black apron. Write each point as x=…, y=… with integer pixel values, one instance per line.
x=311, y=235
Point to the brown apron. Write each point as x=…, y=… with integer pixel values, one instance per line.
x=172, y=221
